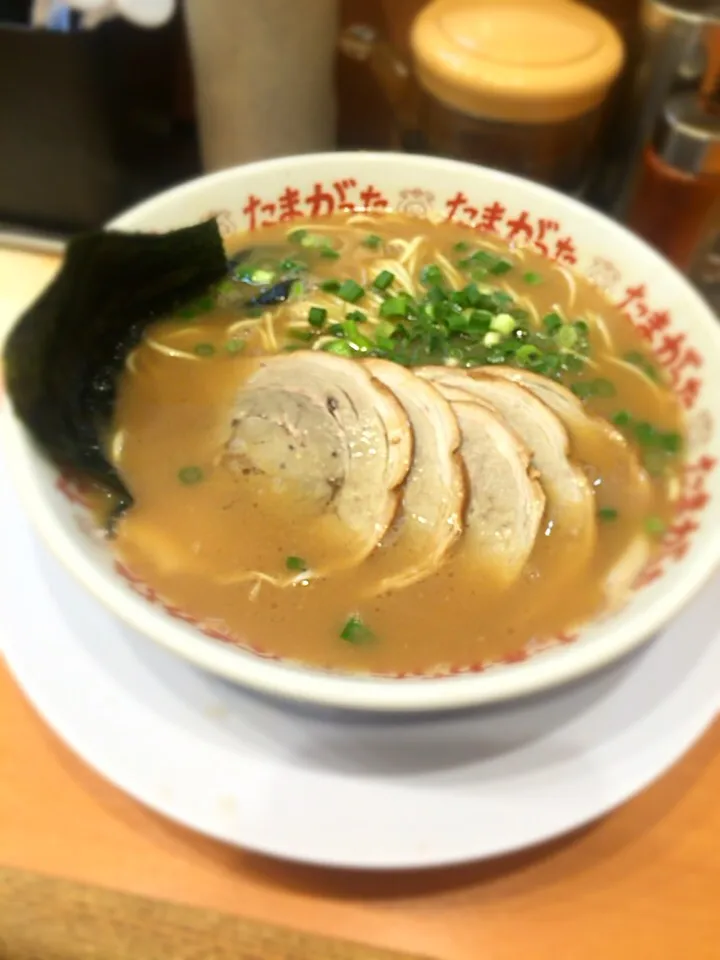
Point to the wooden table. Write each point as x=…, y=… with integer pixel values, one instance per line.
x=643, y=884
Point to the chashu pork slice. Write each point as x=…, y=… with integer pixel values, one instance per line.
x=595, y=441
x=569, y=495
x=506, y=502
x=434, y=494
x=587, y=433
x=325, y=432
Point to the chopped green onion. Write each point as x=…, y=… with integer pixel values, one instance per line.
x=671, y=442
x=607, y=513
x=639, y=360
x=297, y=289
x=330, y=286
x=395, y=307
x=372, y=241
x=503, y=323
x=459, y=321
x=528, y=355
x=566, y=336
x=501, y=267
x=350, y=291
x=204, y=349
x=314, y=240
x=305, y=336
x=341, y=347
x=479, y=326
x=473, y=295
x=571, y=363
x=235, y=345
x=262, y=277
x=190, y=475
x=484, y=257
x=552, y=322
x=297, y=236
x=645, y=433
x=355, y=631
x=357, y=315
x=383, y=280
x=622, y=418
x=635, y=357
x=655, y=526
x=296, y=563
x=654, y=461
x=603, y=388
x=226, y=286
x=431, y=275
x=317, y=316
x=329, y=254
x=492, y=338
x=583, y=390
x=197, y=307
x=437, y=295
x=501, y=299
x=532, y=278
x=292, y=265
x=461, y=246
x=349, y=328
x=479, y=273
x=385, y=328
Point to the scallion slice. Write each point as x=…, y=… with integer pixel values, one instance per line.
x=317, y=316
x=655, y=526
x=383, y=280
x=431, y=275
x=372, y=241
x=355, y=631
x=204, y=350
x=395, y=307
x=503, y=323
x=190, y=475
x=501, y=267
x=340, y=347
x=350, y=291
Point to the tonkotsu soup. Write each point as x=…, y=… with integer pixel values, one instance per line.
x=391, y=446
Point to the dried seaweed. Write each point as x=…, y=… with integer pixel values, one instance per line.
x=63, y=357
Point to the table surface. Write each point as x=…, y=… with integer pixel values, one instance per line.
x=642, y=883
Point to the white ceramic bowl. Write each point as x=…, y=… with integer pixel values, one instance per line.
x=681, y=329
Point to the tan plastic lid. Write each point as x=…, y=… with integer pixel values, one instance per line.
x=533, y=61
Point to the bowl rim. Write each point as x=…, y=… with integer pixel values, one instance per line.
x=293, y=681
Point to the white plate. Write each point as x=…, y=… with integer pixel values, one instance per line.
x=338, y=789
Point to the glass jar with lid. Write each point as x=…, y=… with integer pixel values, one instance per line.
x=513, y=84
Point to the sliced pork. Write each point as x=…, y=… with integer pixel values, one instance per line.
x=506, y=502
x=327, y=433
x=434, y=492
x=592, y=440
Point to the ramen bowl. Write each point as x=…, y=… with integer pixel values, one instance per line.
x=676, y=324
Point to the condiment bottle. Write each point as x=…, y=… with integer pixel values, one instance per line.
x=704, y=270
x=680, y=52
x=263, y=71
x=679, y=184
x=513, y=84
